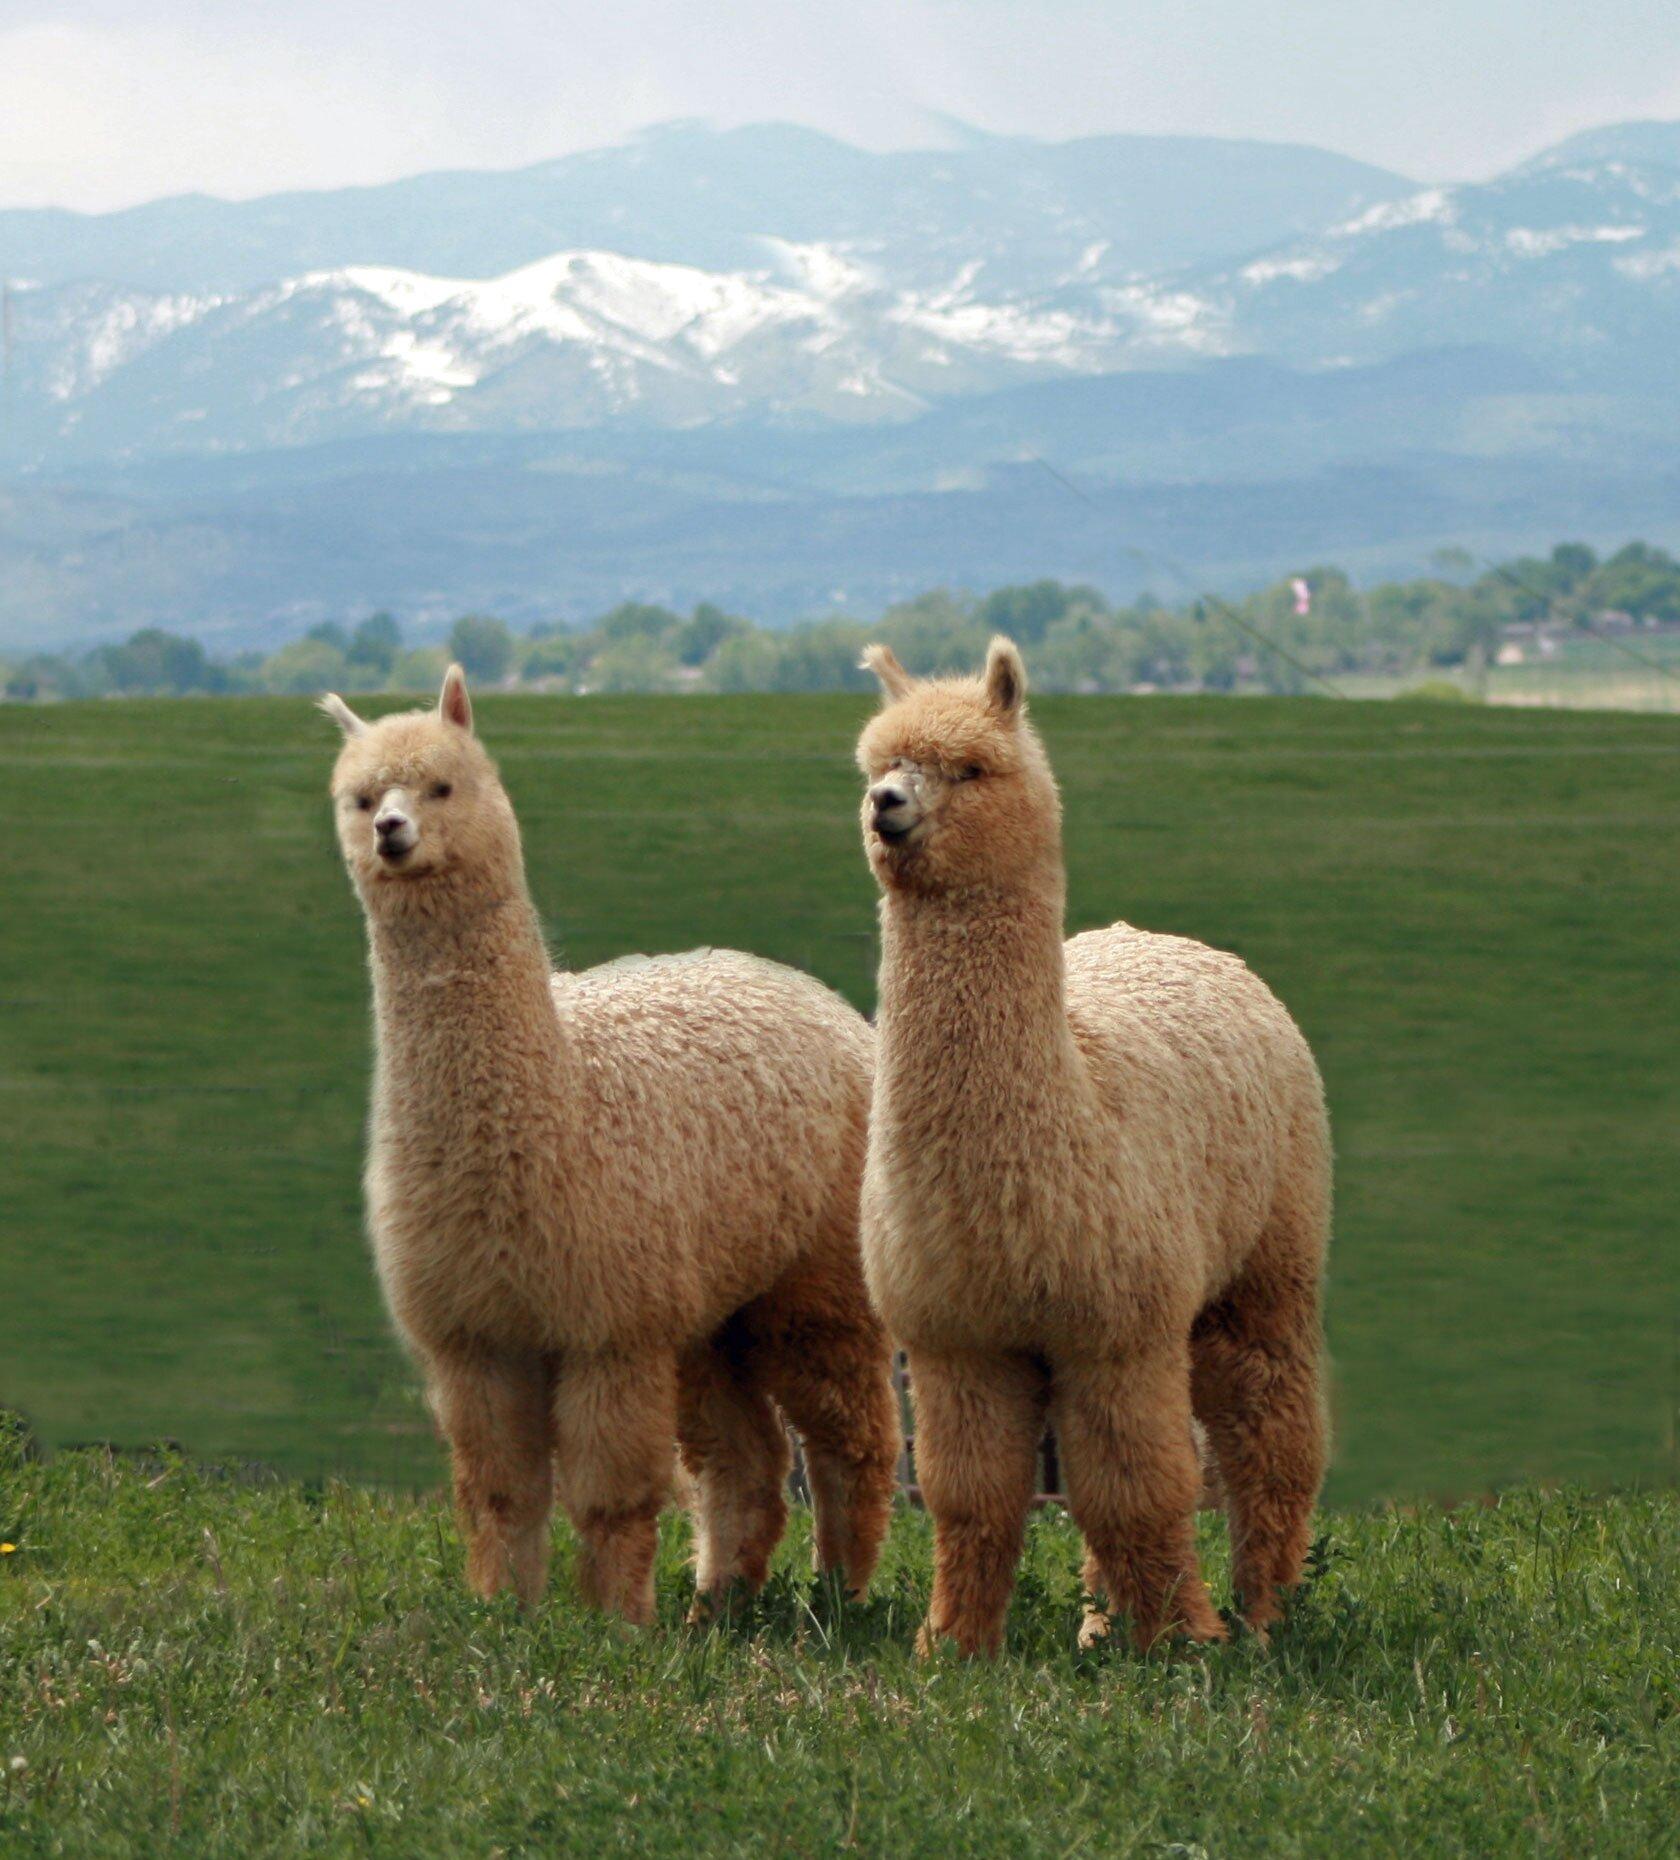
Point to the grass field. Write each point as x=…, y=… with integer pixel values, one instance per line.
x=193, y=1665
x=1472, y=911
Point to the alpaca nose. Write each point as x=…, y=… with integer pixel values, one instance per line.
x=889, y=803
x=387, y=824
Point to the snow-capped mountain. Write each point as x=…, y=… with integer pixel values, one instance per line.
x=647, y=350
x=578, y=339
x=1573, y=261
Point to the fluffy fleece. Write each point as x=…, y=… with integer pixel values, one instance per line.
x=1098, y=1188
x=610, y=1211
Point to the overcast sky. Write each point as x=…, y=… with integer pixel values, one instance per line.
x=108, y=102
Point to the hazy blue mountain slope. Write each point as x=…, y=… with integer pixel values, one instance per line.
x=702, y=197
x=763, y=367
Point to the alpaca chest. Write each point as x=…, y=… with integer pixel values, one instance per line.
x=1026, y=1246
x=1003, y=1257
x=468, y=1248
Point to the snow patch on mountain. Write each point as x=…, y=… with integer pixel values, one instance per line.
x=1305, y=269
x=825, y=272
x=113, y=332
x=1528, y=242
x=1434, y=205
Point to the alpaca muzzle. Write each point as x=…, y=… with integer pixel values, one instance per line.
x=893, y=811
x=395, y=837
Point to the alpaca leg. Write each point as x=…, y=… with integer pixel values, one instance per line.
x=1129, y=1464
x=495, y=1414
x=735, y=1451
x=842, y=1403
x=1256, y=1358
x=615, y=1431
x=979, y=1420
x=823, y=1354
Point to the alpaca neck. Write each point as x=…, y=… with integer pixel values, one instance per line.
x=463, y=1008
x=975, y=984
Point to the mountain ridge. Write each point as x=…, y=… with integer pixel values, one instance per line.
x=809, y=420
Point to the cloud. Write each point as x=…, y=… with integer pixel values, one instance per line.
x=96, y=118
x=108, y=102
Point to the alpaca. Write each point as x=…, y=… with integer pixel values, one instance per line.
x=1098, y=1188
x=609, y=1211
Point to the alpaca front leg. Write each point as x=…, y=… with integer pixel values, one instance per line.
x=615, y=1429
x=1133, y=1478
x=979, y=1419
x=495, y=1413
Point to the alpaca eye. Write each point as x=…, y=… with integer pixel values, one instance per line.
x=972, y=773
x=442, y=791
x=364, y=802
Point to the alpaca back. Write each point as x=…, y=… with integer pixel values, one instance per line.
x=1210, y=1089
x=722, y=1117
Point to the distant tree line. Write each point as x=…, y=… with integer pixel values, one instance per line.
x=1273, y=640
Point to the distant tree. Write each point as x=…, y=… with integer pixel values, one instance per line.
x=376, y=643
x=936, y=632
x=553, y=655
x=698, y=638
x=748, y=662
x=306, y=666
x=1639, y=580
x=1027, y=613
x=1573, y=562
x=330, y=633
x=153, y=661
x=637, y=620
x=420, y=669
x=483, y=646
x=633, y=665
x=824, y=656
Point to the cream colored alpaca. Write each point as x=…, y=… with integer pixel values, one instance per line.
x=1098, y=1186
x=607, y=1209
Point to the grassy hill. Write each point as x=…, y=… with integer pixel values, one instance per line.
x=195, y=1665
x=1471, y=911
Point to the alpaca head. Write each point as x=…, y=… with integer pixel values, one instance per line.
x=960, y=793
x=423, y=820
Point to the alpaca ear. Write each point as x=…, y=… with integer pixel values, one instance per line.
x=883, y=662
x=341, y=713
x=454, y=706
x=1005, y=678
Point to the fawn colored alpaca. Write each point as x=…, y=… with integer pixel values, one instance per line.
x=610, y=1211
x=1098, y=1187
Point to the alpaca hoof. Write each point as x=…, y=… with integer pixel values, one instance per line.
x=717, y=1603
x=930, y=1640
x=1095, y=1629
x=1258, y=1626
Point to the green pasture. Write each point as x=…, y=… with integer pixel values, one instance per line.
x=1474, y=912
x=193, y=1664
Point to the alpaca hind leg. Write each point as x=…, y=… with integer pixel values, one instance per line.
x=821, y=1351
x=495, y=1413
x=979, y=1419
x=1132, y=1477
x=615, y=1434
x=1256, y=1380
x=735, y=1450
x=842, y=1404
